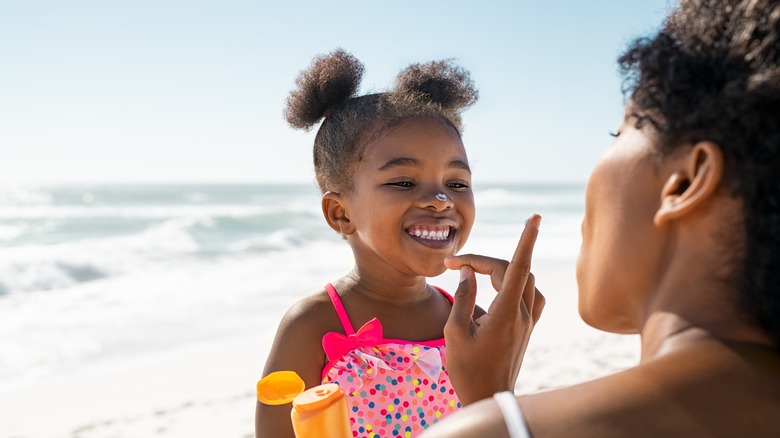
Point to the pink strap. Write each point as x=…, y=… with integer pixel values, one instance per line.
x=342, y=313
x=445, y=293
x=334, y=298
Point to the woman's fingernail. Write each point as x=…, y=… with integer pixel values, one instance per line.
x=464, y=273
x=535, y=220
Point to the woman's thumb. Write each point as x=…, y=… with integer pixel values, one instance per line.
x=465, y=299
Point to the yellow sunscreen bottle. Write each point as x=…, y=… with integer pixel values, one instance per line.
x=320, y=411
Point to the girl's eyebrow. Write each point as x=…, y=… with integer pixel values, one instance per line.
x=400, y=162
x=459, y=164
x=413, y=162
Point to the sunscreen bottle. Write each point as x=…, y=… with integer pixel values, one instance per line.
x=319, y=412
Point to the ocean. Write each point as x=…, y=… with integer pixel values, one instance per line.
x=94, y=275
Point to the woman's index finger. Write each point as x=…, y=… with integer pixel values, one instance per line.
x=517, y=272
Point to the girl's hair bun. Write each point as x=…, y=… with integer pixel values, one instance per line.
x=330, y=80
x=439, y=82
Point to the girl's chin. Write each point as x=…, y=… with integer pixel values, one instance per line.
x=434, y=271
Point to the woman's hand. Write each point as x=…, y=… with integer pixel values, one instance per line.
x=484, y=355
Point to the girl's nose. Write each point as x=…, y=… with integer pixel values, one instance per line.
x=438, y=201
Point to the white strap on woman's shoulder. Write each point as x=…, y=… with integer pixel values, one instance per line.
x=513, y=416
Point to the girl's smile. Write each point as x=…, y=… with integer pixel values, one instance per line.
x=433, y=233
x=439, y=235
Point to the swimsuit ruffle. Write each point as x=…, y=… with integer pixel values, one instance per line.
x=363, y=364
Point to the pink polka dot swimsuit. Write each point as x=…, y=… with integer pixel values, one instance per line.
x=395, y=388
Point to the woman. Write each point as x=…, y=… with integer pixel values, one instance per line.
x=681, y=244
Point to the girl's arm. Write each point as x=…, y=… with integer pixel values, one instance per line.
x=296, y=347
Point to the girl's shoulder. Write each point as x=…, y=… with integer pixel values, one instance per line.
x=309, y=305
x=314, y=313
x=303, y=326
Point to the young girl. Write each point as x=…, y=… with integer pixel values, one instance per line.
x=396, y=184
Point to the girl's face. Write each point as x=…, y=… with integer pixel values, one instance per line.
x=621, y=247
x=399, y=222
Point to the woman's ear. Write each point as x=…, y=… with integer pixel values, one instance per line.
x=334, y=209
x=693, y=184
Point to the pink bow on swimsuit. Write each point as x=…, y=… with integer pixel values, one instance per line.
x=337, y=345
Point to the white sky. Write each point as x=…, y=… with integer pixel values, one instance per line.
x=192, y=91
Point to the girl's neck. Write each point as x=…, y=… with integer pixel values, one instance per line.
x=396, y=291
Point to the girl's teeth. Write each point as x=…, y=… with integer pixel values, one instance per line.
x=431, y=234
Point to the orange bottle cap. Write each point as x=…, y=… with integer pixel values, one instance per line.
x=318, y=397
x=279, y=387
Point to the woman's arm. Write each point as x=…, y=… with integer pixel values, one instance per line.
x=481, y=419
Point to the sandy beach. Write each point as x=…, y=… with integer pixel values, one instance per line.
x=208, y=390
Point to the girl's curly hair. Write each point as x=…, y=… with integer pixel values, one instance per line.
x=327, y=90
x=711, y=73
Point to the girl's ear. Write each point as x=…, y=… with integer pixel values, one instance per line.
x=334, y=209
x=691, y=186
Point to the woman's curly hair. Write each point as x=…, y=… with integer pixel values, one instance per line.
x=712, y=73
x=327, y=90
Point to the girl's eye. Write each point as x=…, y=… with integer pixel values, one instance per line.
x=458, y=185
x=404, y=184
